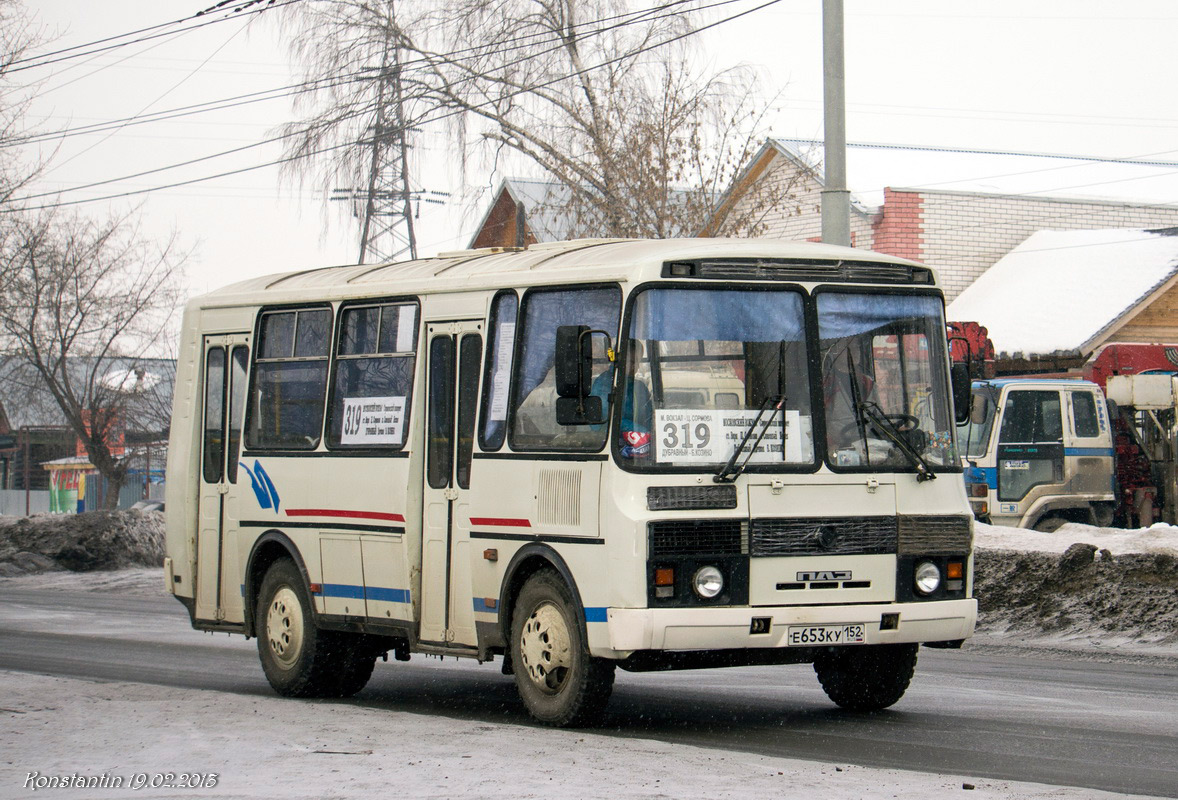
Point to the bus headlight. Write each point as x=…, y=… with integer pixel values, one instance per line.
x=708, y=582
x=927, y=577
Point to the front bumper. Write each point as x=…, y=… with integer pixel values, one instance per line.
x=693, y=629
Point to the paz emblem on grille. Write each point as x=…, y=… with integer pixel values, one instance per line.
x=824, y=538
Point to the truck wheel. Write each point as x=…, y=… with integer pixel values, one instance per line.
x=1049, y=524
x=559, y=682
x=866, y=678
x=299, y=659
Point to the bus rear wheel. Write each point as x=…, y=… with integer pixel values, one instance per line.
x=866, y=678
x=299, y=659
x=560, y=683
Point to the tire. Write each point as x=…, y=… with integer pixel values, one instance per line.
x=866, y=678
x=299, y=659
x=1049, y=524
x=356, y=662
x=560, y=683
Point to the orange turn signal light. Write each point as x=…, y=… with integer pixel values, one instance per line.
x=955, y=570
x=664, y=576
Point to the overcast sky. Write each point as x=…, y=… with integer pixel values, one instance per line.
x=1073, y=78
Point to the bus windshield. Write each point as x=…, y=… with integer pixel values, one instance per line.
x=884, y=381
x=701, y=363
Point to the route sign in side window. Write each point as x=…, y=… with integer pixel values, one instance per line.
x=373, y=379
x=497, y=382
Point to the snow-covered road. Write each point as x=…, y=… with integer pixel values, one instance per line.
x=268, y=747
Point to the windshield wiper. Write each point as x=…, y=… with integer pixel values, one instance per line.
x=884, y=425
x=730, y=471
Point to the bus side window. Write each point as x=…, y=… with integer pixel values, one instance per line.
x=290, y=380
x=372, y=381
x=497, y=371
x=237, y=373
x=533, y=417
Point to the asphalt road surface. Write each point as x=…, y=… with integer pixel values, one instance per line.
x=982, y=712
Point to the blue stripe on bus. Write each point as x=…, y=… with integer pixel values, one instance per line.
x=342, y=590
x=386, y=595
x=481, y=607
x=353, y=592
x=596, y=614
x=1088, y=451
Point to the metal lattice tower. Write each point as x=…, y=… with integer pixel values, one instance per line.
x=385, y=204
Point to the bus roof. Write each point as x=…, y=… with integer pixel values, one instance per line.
x=551, y=262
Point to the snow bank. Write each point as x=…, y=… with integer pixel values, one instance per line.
x=265, y=747
x=1161, y=538
x=95, y=540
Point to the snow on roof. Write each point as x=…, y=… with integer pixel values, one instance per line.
x=1059, y=291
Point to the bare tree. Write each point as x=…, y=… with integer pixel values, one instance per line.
x=18, y=36
x=602, y=99
x=84, y=301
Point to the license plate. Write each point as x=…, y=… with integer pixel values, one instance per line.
x=806, y=635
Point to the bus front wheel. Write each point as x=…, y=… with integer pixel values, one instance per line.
x=299, y=659
x=866, y=678
x=560, y=683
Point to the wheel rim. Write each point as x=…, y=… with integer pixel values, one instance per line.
x=284, y=627
x=544, y=648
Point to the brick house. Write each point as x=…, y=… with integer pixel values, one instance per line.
x=961, y=234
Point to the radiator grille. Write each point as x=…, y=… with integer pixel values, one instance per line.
x=935, y=536
x=662, y=498
x=697, y=537
x=815, y=536
x=558, y=501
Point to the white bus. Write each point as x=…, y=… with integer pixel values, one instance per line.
x=575, y=457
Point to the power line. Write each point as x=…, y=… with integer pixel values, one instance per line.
x=474, y=107
x=47, y=57
x=173, y=88
x=979, y=152
x=301, y=87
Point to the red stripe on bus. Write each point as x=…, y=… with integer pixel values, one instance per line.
x=333, y=512
x=500, y=521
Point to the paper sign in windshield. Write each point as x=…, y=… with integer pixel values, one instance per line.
x=710, y=437
x=373, y=420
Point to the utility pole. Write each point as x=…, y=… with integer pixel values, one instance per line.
x=836, y=197
x=386, y=218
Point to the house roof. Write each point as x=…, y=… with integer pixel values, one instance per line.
x=26, y=401
x=1066, y=291
x=548, y=210
x=542, y=202
x=758, y=165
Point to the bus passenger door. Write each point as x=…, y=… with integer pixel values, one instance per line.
x=454, y=358
x=218, y=586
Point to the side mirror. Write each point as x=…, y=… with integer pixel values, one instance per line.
x=977, y=414
x=580, y=410
x=574, y=376
x=574, y=361
x=959, y=377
